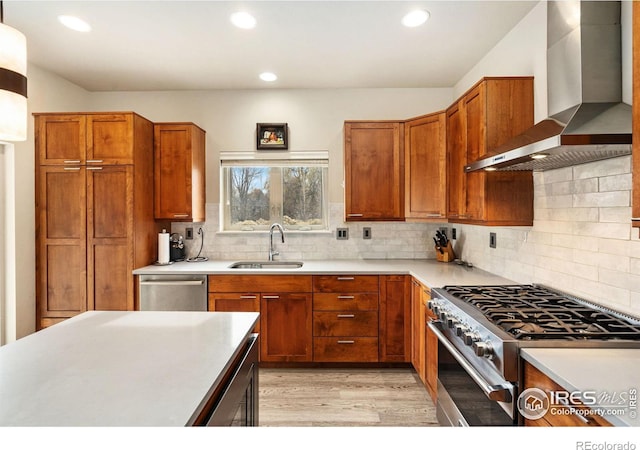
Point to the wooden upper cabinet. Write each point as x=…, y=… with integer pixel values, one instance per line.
x=374, y=171
x=90, y=138
x=488, y=115
x=425, y=168
x=636, y=117
x=179, y=172
x=61, y=139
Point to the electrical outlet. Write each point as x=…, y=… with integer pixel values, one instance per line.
x=492, y=240
x=366, y=233
x=188, y=233
x=342, y=233
x=454, y=234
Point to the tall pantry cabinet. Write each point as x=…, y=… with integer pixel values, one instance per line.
x=94, y=211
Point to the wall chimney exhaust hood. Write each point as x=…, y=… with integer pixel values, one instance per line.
x=588, y=120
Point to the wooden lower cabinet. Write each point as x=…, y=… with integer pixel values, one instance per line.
x=284, y=303
x=418, y=330
x=395, y=318
x=563, y=416
x=345, y=318
x=285, y=321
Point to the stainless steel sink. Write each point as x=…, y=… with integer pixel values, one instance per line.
x=266, y=265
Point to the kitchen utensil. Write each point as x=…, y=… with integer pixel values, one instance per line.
x=438, y=246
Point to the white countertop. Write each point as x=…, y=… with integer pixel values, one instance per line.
x=429, y=272
x=108, y=368
x=603, y=370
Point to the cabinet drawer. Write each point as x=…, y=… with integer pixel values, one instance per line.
x=359, y=349
x=259, y=283
x=345, y=283
x=345, y=301
x=345, y=323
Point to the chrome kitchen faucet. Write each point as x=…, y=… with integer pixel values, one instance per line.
x=273, y=253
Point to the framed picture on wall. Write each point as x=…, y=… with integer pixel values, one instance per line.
x=272, y=136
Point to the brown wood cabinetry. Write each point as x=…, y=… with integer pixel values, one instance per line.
x=284, y=303
x=179, y=172
x=395, y=318
x=425, y=168
x=636, y=117
x=374, y=171
x=418, y=330
x=558, y=415
x=94, y=219
x=345, y=318
x=431, y=354
x=486, y=116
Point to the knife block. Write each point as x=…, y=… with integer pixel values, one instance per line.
x=448, y=254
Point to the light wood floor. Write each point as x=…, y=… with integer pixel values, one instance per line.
x=344, y=397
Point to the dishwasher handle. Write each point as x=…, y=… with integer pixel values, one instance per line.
x=172, y=283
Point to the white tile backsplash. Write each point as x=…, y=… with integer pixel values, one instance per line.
x=581, y=242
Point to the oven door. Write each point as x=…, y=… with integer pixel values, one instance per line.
x=465, y=396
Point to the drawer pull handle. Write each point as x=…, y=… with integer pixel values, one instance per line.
x=94, y=168
x=271, y=297
x=248, y=296
x=346, y=316
x=345, y=278
x=346, y=342
x=72, y=161
x=181, y=215
x=354, y=215
x=94, y=160
x=72, y=168
x=346, y=297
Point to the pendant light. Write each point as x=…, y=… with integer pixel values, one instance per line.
x=13, y=83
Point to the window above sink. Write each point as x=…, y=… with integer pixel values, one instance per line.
x=256, y=193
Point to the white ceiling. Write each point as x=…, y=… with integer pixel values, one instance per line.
x=175, y=45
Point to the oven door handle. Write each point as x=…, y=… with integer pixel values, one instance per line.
x=498, y=393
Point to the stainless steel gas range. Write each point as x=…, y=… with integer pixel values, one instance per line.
x=481, y=330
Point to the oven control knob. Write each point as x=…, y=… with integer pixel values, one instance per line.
x=431, y=304
x=443, y=316
x=470, y=337
x=451, y=322
x=483, y=349
x=435, y=309
x=460, y=329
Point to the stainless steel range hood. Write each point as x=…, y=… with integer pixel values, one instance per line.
x=588, y=120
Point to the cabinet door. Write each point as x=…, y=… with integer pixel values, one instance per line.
x=179, y=172
x=110, y=237
x=110, y=139
x=60, y=139
x=475, y=131
x=456, y=160
x=425, y=170
x=286, y=324
x=374, y=164
x=61, y=286
x=418, y=330
x=395, y=319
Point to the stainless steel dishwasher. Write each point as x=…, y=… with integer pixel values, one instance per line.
x=172, y=292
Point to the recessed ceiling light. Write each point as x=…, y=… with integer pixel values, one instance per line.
x=268, y=76
x=415, y=18
x=74, y=23
x=243, y=20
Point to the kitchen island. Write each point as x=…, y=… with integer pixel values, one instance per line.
x=112, y=368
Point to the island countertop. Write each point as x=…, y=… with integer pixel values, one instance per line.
x=113, y=368
x=429, y=272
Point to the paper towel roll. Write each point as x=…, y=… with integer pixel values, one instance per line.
x=163, y=247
